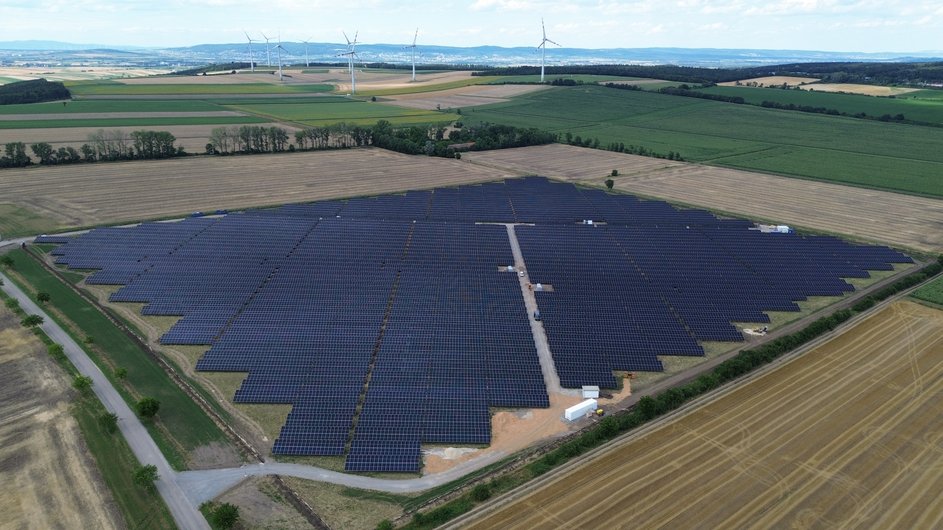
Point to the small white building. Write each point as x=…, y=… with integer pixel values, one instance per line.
x=590, y=391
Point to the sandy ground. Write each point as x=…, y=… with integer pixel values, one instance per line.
x=848, y=435
x=471, y=96
x=890, y=218
x=774, y=81
x=868, y=90
x=76, y=73
x=193, y=138
x=87, y=194
x=49, y=478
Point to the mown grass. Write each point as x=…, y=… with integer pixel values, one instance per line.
x=931, y=292
x=112, y=88
x=912, y=107
x=17, y=221
x=113, y=456
x=889, y=156
x=182, y=426
x=335, y=110
x=129, y=122
x=113, y=105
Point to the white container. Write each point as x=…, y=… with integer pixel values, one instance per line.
x=590, y=391
x=580, y=410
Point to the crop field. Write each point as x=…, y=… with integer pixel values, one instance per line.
x=775, y=80
x=890, y=218
x=86, y=106
x=911, y=106
x=470, y=96
x=848, y=434
x=49, y=479
x=91, y=194
x=192, y=138
x=146, y=121
x=868, y=90
x=845, y=150
x=113, y=88
x=337, y=109
x=931, y=292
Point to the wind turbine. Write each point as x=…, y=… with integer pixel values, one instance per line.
x=251, y=62
x=307, y=63
x=543, y=49
x=278, y=49
x=414, y=52
x=268, y=51
x=350, y=53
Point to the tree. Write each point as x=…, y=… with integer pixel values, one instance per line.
x=32, y=320
x=42, y=296
x=481, y=492
x=44, y=152
x=56, y=350
x=7, y=261
x=147, y=407
x=109, y=422
x=146, y=476
x=121, y=373
x=225, y=516
x=83, y=384
x=610, y=183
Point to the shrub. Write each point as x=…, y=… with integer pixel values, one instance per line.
x=481, y=493
x=610, y=183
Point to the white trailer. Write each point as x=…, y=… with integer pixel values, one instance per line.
x=579, y=410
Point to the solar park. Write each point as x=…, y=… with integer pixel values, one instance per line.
x=389, y=322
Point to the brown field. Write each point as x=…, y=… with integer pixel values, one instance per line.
x=889, y=218
x=76, y=73
x=261, y=75
x=89, y=194
x=193, y=138
x=774, y=81
x=847, y=435
x=49, y=478
x=868, y=90
x=471, y=96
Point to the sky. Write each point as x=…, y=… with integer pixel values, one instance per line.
x=828, y=25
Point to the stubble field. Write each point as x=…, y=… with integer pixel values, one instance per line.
x=847, y=435
x=889, y=218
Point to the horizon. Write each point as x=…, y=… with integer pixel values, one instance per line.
x=847, y=26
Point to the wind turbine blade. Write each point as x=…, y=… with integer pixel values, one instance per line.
x=415, y=37
x=346, y=37
x=543, y=27
x=551, y=42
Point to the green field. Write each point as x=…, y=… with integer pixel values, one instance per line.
x=129, y=122
x=112, y=88
x=113, y=105
x=585, y=78
x=915, y=108
x=338, y=109
x=417, y=89
x=889, y=156
x=182, y=425
x=931, y=292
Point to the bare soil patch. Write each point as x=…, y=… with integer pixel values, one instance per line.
x=193, y=138
x=776, y=80
x=49, y=477
x=848, y=434
x=89, y=194
x=470, y=96
x=262, y=507
x=879, y=216
x=868, y=90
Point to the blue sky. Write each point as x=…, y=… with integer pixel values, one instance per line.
x=832, y=25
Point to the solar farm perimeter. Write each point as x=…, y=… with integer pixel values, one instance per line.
x=395, y=321
x=847, y=435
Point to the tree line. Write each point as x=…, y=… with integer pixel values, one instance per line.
x=248, y=139
x=33, y=91
x=102, y=146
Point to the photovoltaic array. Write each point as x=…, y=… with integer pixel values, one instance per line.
x=389, y=322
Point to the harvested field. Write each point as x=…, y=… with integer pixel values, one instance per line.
x=49, y=478
x=470, y=96
x=193, y=138
x=90, y=194
x=846, y=435
x=76, y=73
x=889, y=218
x=867, y=90
x=777, y=80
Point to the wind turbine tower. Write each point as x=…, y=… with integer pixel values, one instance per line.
x=268, y=51
x=278, y=49
x=251, y=62
x=414, y=53
x=307, y=62
x=543, y=49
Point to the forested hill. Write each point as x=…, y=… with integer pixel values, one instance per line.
x=35, y=91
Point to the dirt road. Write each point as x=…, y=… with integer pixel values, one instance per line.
x=848, y=434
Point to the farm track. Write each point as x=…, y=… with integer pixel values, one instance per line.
x=92, y=194
x=846, y=435
x=891, y=218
